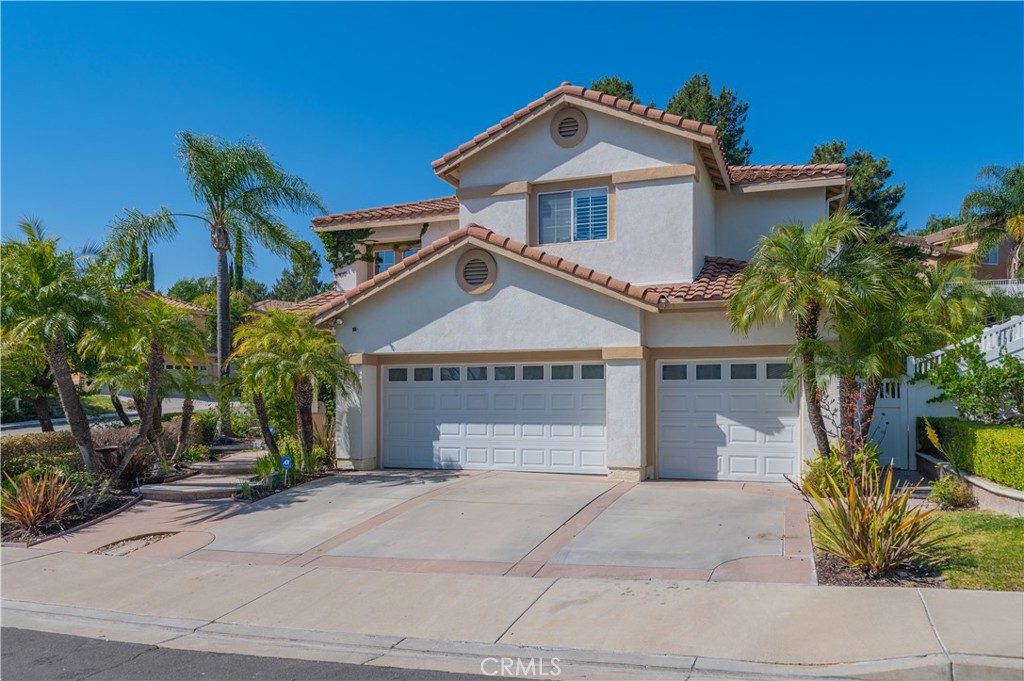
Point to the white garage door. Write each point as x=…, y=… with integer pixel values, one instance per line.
x=726, y=420
x=529, y=417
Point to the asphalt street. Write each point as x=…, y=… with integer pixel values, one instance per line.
x=39, y=656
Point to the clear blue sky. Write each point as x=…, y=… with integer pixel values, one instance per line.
x=359, y=99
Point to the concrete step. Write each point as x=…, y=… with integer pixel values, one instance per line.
x=242, y=467
x=195, y=488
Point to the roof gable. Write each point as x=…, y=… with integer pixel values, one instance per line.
x=704, y=134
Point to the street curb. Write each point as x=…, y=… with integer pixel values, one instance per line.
x=467, y=657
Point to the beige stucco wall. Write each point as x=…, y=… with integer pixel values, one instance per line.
x=611, y=145
x=527, y=309
x=743, y=217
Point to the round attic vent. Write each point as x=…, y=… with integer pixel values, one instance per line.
x=476, y=271
x=568, y=127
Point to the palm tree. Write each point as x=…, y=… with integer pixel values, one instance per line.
x=807, y=277
x=240, y=187
x=190, y=382
x=161, y=333
x=283, y=350
x=996, y=212
x=49, y=301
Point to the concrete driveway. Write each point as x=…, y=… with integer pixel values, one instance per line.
x=521, y=524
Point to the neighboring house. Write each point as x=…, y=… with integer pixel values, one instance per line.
x=948, y=245
x=565, y=310
x=200, y=315
x=271, y=304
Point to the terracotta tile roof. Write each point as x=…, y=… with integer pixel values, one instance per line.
x=943, y=235
x=174, y=302
x=326, y=302
x=575, y=91
x=776, y=173
x=443, y=206
x=718, y=279
x=272, y=304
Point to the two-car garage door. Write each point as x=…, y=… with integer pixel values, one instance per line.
x=716, y=420
x=530, y=417
x=726, y=420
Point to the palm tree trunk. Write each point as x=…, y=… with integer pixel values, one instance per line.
x=807, y=328
x=871, y=389
x=304, y=412
x=222, y=245
x=41, y=404
x=186, y=426
x=847, y=408
x=261, y=416
x=57, y=356
x=43, y=382
x=156, y=430
x=156, y=366
x=115, y=400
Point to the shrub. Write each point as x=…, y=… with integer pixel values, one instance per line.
x=992, y=392
x=38, y=444
x=992, y=451
x=820, y=468
x=32, y=503
x=204, y=425
x=952, y=492
x=865, y=520
x=196, y=452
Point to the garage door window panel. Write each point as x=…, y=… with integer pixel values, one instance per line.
x=743, y=372
x=476, y=373
x=451, y=373
x=673, y=372
x=709, y=372
x=504, y=373
x=562, y=372
x=533, y=373
x=398, y=374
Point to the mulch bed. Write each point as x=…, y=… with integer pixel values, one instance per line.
x=833, y=571
x=9, y=532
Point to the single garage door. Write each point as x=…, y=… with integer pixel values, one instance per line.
x=726, y=420
x=527, y=417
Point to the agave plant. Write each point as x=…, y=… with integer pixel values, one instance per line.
x=33, y=502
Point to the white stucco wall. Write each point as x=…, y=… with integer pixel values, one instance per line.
x=704, y=237
x=743, y=217
x=527, y=309
x=611, y=144
x=506, y=215
x=706, y=328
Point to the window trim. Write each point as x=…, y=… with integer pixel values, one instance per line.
x=989, y=259
x=400, y=249
x=536, y=190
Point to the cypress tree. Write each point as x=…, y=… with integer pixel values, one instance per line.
x=150, y=276
x=142, y=275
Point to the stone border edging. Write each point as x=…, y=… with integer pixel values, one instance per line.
x=391, y=651
x=76, y=528
x=993, y=497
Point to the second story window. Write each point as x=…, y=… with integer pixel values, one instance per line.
x=386, y=257
x=578, y=215
x=992, y=257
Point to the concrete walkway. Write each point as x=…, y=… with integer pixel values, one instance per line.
x=597, y=628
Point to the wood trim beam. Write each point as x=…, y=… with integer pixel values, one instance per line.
x=655, y=173
x=488, y=191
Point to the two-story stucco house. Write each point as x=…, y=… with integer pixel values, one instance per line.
x=564, y=310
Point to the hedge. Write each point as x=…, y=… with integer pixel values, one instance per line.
x=22, y=452
x=992, y=451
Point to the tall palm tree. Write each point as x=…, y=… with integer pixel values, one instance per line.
x=996, y=212
x=283, y=350
x=240, y=189
x=161, y=333
x=808, y=277
x=50, y=298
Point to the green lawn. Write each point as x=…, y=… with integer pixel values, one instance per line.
x=986, y=551
x=96, y=405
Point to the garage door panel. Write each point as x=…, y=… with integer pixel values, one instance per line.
x=523, y=422
x=734, y=427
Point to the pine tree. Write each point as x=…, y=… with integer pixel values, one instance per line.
x=142, y=274
x=726, y=111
